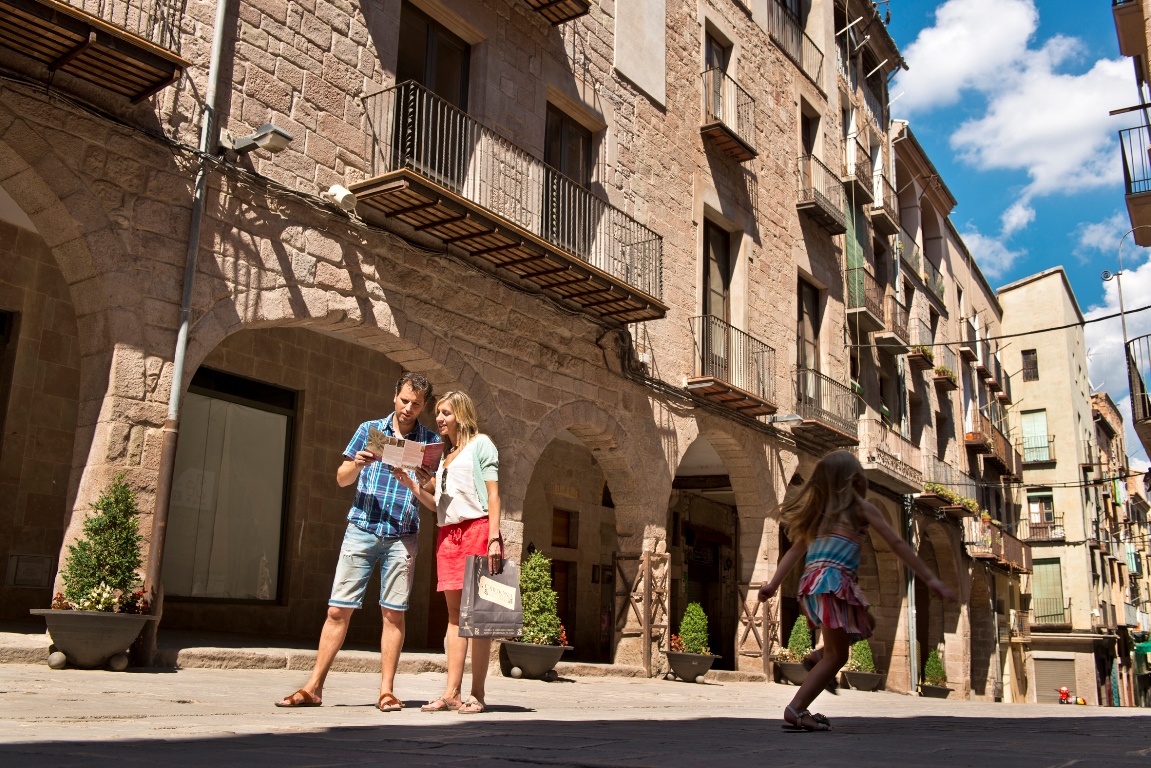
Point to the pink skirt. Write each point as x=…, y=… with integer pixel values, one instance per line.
x=454, y=544
x=830, y=597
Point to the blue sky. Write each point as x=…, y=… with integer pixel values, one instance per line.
x=1010, y=100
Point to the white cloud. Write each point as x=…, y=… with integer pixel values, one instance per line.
x=991, y=253
x=1101, y=236
x=1037, y=118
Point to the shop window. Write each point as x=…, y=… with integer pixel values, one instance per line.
x=229, y=497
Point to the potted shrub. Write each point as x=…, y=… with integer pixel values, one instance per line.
x=535, y=653
x=860, y=669
x=945, y=378
x=102, y=608
x=934, y=682
x=790, y=659
x=689, y=657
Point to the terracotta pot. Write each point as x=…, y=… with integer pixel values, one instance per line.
x=690, y=666
x=934, y=691
x=90, y=638
x=793, y=671
x=531, y=660
x=864, y=681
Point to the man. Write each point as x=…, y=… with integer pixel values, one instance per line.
x=382, y=526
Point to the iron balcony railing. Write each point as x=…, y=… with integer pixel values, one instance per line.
x=898, y=320
x=942, y=473
x=1051, y=610
x=880, y=444
x=982, y=538
x=1020, y=624
x=873, y=107
x=1037, y=449
x=1015, y=553
x=843, y=62
x=412, y=128
x=785, y=29
x=856, y=160
x=864, y=292
x=818, y=183
x=821, y=398
x=984, y=360
x=1042, y=527
x=933, y=278
x=1138, y=373
x=1135, y=144
x=921, y=336
x=724, y=101
x=945, y=357
x=909, y=251
x=726, y=353
x=979, y=429
x=885, y=196
x=156, y=21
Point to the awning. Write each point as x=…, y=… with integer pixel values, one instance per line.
x=1143, y=647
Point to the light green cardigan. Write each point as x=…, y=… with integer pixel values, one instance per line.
x=485, y=466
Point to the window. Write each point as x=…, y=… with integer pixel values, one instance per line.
x=1036, y=443
x=567, y=218
x=807, y=327
x=808, y=131
x=565, y=528
x=716, y=272
x=715, y=58
x=432, y=56
x=1041, y=507
x=1030, y=365
x=1047, y=592
x=567, y=147
x=229, y=495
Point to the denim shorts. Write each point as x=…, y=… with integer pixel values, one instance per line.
x=358, y=556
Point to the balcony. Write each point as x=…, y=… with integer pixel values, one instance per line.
x=895, y=336
x=994, y=375
x=946, y=377
x=1038, y=449
x=1138, y=371
x=858, y=171
x=1021, y=625
x=828, y=409
x=888, y=458
x=968, y=341
x=1003, y=454
x=921, y=356
x=1015, y=554
x=864, y=300
x=843, y=63
x=933, y=279
x=732, y=369
x=874, y=108
x=948, y=488
x=559, y=11
x=1135, y=143
x=728, y=116
x=1130, y=27
x=1042, y=527
x=1134, y=562
x=1004, y=394
x=438, y=171
x=1050, y=613
x=127, y=46
x=909, y=252
x=986, y=541
x=983, y=362
x=885, y=208
x=820, y=195
x=787, y=33
x=978, y=434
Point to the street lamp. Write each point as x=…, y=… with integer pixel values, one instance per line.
x=787, y=418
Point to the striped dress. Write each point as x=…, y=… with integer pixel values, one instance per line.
x=829, y=594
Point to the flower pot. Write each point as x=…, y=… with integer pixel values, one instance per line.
x=864, y=681
x=533, y=661
x=793, y=671
x=90, y=638
x=690, y=666
x=934, y=691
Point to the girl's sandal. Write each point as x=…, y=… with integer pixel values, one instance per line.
x=821, y=722
x=472, y=706
x=389, y=703
x=439, y=705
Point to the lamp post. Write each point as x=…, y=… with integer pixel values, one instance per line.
x=1107, y=275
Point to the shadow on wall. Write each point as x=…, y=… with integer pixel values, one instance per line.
x=721, y=741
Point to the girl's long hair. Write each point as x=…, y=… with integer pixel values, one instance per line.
x=465, y=412
x=827, y=501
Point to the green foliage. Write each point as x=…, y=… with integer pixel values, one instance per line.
x=945, y=372
x=860, y=660
x=693, y=629
x=927, y=352
x=106, y=558
x=799, y=643
x=933, y=673
x=541, y=623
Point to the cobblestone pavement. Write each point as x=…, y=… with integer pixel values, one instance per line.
x=225, y=717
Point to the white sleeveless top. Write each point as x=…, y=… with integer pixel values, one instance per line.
x=457, y=500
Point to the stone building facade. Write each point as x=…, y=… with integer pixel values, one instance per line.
x=716, y=239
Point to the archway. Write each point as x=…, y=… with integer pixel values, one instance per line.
x=881, y=578
x=984, y=655
x=942, y=626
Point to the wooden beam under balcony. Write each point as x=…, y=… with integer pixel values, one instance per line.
x=406, y=196
x=730, y=396
x=86, y=46
x=559, y=11
x=727, y=141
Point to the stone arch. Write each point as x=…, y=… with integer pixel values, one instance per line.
x=947, y=623
x=983, y=651
x=881, y=577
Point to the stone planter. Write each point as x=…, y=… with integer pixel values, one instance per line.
x=864, y=681
x=934, y=691
x=690, y=666
x=793, y=671
x=533, y=661
x=90, y=638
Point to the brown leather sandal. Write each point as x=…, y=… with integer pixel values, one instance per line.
x=389, y=703
x=300, y=698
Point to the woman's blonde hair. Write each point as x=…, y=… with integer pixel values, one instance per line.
x=465, y=412
x=827, y=501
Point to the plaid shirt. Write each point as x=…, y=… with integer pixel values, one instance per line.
x=382, y=506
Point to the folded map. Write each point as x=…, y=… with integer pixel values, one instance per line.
x=398, y=452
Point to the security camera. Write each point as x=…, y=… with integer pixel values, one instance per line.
x=341, y=196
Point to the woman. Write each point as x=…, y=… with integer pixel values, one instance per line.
x=465, y=494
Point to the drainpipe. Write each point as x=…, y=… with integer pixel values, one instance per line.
x=912, y=653
x=152, y=585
